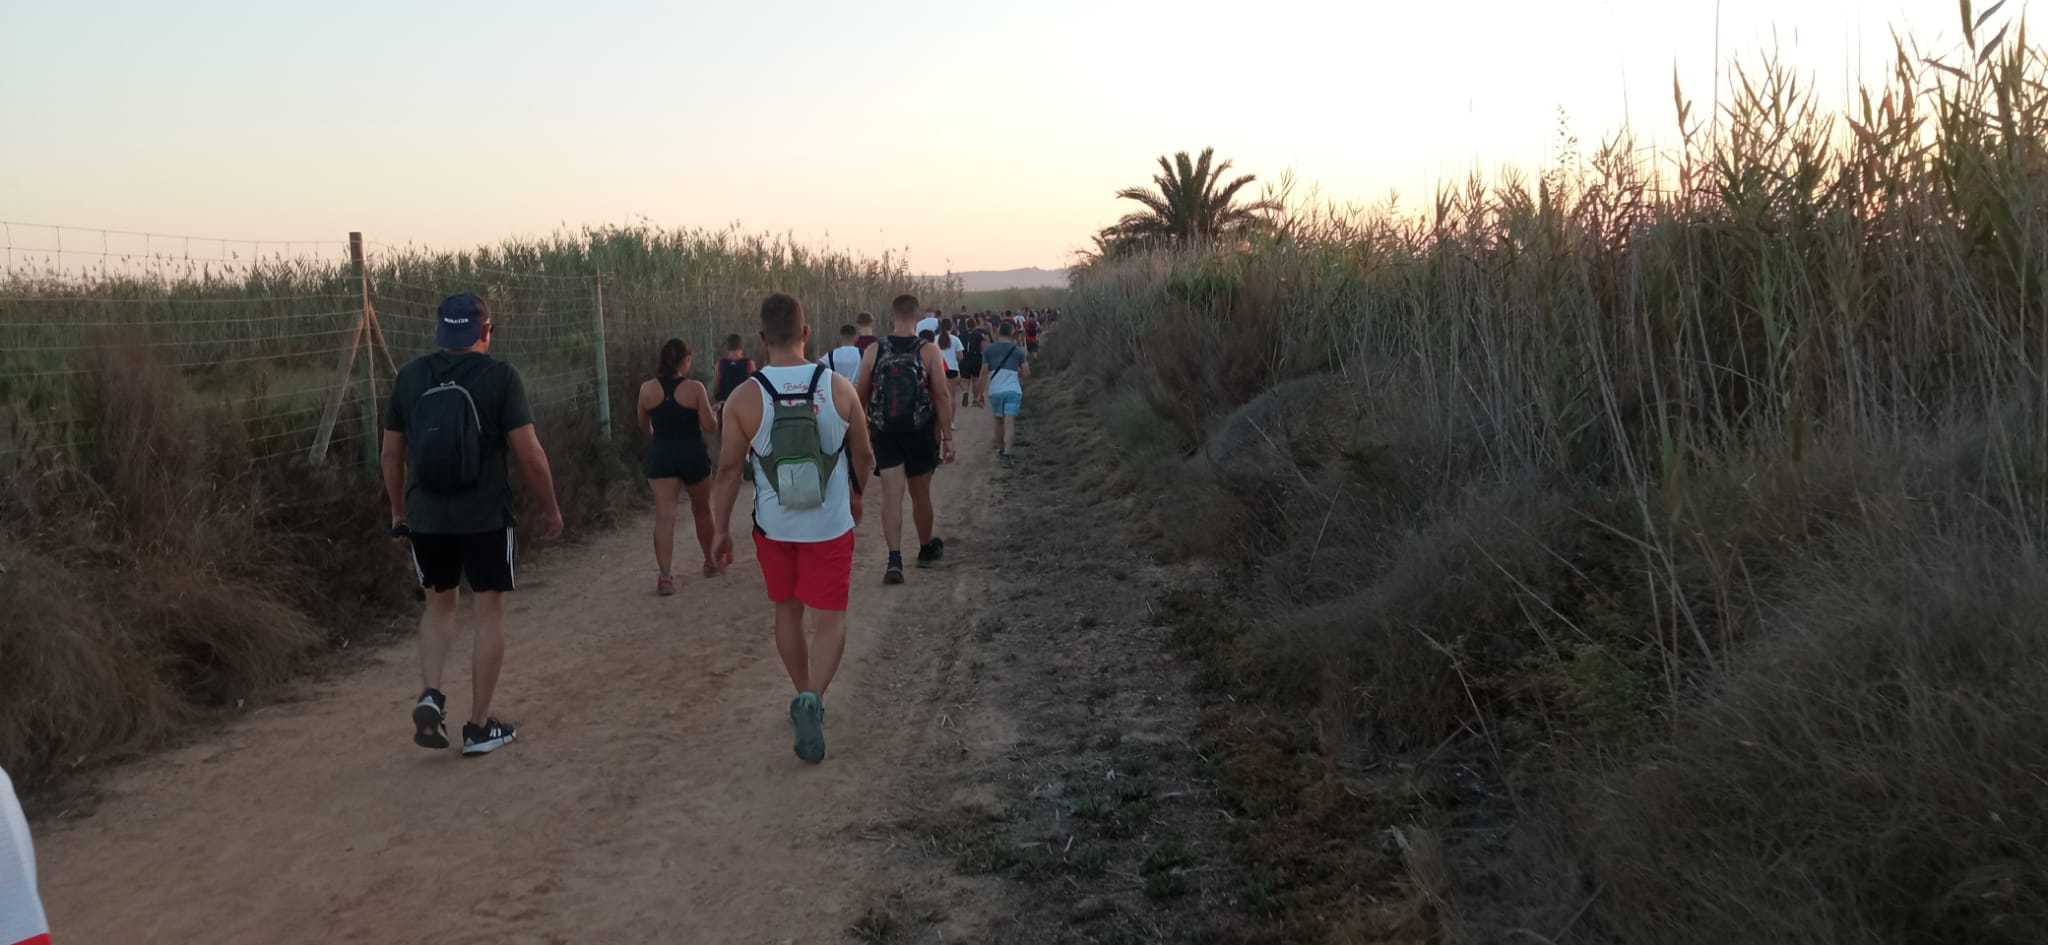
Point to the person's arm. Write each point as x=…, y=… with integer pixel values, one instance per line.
x=740, y=414
x=865, y=386
x=533, y=468
x=1024, y=370
x=706, y=420
x=860, y=451
x=648, y=401
x=393, y=461
x=942, y=399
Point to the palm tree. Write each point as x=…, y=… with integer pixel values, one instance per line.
x=1187, y=205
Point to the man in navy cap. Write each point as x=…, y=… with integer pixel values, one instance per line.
x=453, y=417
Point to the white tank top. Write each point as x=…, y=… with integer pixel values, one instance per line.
x=835, y=517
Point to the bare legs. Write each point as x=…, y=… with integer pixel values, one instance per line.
x=490, y=654
x=921, y=507
x=811, y=664
x=700, y=510
x=437, y=632
x=894, y=484
x=892, y=508
x=666, y=493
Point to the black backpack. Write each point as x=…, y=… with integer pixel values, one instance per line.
x=899, y=397
x=444, y=442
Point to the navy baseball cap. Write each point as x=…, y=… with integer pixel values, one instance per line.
x=462, y=320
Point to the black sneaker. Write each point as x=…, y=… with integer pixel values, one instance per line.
x=930, y=554
x=430, y=720
x=894, y=574
x=486, y=738
x=1008, y=460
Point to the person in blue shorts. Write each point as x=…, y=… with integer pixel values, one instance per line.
x=1007, y=366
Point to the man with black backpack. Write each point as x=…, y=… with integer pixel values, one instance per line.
x=453, y=417
x=800, y=427
x=910, y=419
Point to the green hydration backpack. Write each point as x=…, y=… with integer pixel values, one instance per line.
x=796, y=462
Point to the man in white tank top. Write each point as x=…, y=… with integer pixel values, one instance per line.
x=806, y=554
x=845, y=359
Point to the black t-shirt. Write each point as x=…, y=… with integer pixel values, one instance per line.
x=501, y=407
x=972, y=340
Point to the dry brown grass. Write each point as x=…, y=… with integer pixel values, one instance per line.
x=156, y=576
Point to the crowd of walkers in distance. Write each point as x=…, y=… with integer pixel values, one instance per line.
x=812, y=426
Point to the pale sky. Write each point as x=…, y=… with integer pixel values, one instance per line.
x=976, y=135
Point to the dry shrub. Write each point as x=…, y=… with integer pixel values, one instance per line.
x=1872, y=771
x=1419, y=649
x=596, y=481
x=1214, y=345
x=156, y=578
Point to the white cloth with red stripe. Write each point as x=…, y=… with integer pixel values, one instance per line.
x=21, y=910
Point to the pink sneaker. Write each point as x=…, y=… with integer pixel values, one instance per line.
x=664, y=585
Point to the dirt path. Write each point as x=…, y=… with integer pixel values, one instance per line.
x=652, y=795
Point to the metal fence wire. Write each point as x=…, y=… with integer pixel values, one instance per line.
x=297, y=342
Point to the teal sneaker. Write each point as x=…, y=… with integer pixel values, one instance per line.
x=807, y=713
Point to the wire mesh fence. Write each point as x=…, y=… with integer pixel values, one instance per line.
x=294, y=343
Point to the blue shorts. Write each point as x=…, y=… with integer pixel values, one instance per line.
x=1006, y=403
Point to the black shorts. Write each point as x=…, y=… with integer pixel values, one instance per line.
x=970, y=367
x=917, y=453
x=1031, y=347
x=674, y=459
x=952, y=375
x=483, y=558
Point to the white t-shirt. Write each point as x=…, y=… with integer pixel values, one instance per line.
x=835, y=517
x=950, y=355
x=21, y=910
x=844, y=361
x=928, y=325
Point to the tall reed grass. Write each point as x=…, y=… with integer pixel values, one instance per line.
x=1626, y=469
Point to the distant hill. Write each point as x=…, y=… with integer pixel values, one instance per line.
x=987, y=280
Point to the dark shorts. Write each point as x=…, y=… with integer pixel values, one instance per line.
x=917, y=453
x=970, y=367
x=952, y=374
x=1031, y=347
x=484, y=559
x=672, y=459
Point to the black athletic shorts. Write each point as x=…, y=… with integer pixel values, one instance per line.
x=443, y=562
x=952, y=375
x=917, y=453
x=970, y=366
x=678, y=459
x=1031, y=347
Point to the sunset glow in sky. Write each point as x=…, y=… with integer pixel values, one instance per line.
x=976, y=135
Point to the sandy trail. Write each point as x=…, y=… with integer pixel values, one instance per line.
x=652, y=796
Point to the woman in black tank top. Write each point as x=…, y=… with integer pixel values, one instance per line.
x=675, y=412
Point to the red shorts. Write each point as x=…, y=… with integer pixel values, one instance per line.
x=819, y=573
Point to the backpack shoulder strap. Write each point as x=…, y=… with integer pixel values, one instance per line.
x=811, y=391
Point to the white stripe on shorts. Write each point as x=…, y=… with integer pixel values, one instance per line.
x=510, y=576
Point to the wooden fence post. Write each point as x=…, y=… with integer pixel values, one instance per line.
x=604, y=376
x=373, y=335
x=338, y=391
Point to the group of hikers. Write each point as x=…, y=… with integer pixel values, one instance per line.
x=811, y=434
